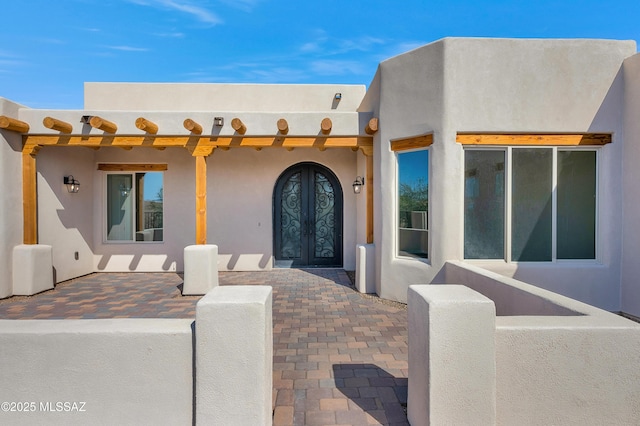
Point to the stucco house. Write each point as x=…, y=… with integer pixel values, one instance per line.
x=517, y=156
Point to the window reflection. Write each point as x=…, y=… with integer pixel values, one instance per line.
x=413, y=203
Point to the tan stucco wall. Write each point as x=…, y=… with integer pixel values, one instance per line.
x=630, y=287
x=240, y=182
x=240, y=202
x=240, y=185
x=191, y=97
x=65, y=221
x=11, y=200
x=493, y=85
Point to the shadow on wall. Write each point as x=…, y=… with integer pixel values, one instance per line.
x=265, y=259
x=379, y=393
x=169, y=265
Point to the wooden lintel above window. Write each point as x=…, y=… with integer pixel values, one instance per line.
x=413, y=142
x=120, y=167
x=545, y=139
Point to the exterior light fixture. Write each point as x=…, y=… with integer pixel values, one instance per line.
x=358, y=184
x=85, y=119
x=218, y=121
x=73, y=185
x=338, y=96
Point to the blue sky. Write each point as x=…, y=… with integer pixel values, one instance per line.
x=48, y=49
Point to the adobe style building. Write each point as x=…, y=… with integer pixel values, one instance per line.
x=517, y=156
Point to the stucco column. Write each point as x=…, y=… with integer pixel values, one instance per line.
x=452, y=367
x=234, y=356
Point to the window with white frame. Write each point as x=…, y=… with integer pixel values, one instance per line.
x=530, y=204
x=134, y=203
x=413, y=203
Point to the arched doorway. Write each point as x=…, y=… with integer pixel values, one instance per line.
x=307, y=219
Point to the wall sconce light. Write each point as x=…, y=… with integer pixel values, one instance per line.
x=338, y=96
x=73, y=185
x=218, y=121
x=358, y=184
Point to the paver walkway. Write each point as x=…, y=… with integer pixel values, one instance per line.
x=339, y=357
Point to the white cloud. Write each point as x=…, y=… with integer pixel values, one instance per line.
x=128, y=48
x=175, y=34
x=329, y=47
x=362, y=44
x=246, y=5
x=337, y=67
x=198, y=12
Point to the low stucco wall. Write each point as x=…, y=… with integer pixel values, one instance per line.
x=217, y=370
x=550, y=368
x=118, y=371
x=570, y=371
x=511, y=297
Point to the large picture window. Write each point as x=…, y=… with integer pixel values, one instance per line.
x=542, y=209
x=413, y=203
x=134, y=206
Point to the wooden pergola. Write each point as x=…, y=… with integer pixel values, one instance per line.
x=200, y=146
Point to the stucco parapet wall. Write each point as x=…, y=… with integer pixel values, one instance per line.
x=230, y=97
x=172, y=123
x=623, y=48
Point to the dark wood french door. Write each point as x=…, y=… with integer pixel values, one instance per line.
x=307, y=207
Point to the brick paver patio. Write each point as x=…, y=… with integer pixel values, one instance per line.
x=339, y=357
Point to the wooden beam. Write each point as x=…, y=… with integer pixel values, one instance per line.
x=238, y=126
x=371, y=127
x=58, y=125
x=13, y=124
x=325, y=126
x=29, y=198
x=140, y=167
x=201, y=199
x=544, y=139
x=283, y=126
x=369, y=191
x=146, y=125
x=102, y=124
x=210, y=141
x=420, y=141
x=192, y=126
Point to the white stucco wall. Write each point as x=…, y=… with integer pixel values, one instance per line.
x=630, y=286
x=501, y=85
x=411, y=103
x=557, y=360
x=126, y=371
x=11, y=223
